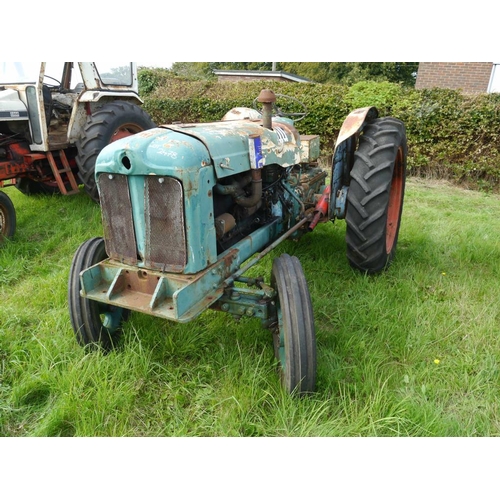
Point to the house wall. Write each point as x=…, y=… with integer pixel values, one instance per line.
x=470, y=77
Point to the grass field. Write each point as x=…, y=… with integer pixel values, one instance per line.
x=412, y=352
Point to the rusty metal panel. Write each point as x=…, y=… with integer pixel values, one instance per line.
x=309, y=148
x=165, y=229
x=354, y=121
x=118, y=224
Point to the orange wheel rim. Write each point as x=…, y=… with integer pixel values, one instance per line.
x=395, y=202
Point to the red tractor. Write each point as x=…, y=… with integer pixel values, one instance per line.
x=55, y=118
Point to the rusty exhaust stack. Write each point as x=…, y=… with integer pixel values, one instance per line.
x=267, y=98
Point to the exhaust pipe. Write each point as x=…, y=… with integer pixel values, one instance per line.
x=267, y=98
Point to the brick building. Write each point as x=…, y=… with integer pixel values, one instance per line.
x=469, y=77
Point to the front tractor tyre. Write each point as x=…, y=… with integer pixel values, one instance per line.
x=95, y=324
x=7, y=218
x=113, y=121
x=375, y=195
x=294, y=334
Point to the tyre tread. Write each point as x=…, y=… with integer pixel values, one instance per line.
x=369, y=194
x=97, y=134
x=299, y=374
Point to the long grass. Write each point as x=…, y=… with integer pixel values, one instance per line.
x=414, y=351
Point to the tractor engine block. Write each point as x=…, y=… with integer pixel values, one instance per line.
x=286, y=193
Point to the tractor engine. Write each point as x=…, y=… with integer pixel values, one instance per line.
x=175, y=198
x=248, y=201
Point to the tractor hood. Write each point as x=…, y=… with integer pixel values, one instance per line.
x=226, y=145
x=11, y=107
x=229, y=143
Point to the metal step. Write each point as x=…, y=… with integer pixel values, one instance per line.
x=65, y=170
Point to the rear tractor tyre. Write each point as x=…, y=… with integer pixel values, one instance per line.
x=95, y=324
x=294, y=336
x=7, y=218
x=375, y=195
x=115, y=120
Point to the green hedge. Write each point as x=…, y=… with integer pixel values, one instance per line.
x=450, y=135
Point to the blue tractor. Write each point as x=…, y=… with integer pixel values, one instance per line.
x=188, y=209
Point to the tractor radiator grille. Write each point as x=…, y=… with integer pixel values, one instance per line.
x=165, y=237
x=118, y=225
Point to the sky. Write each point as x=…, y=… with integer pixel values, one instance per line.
x=386, y=30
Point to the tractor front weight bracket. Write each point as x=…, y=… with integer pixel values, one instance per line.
x=247, y=302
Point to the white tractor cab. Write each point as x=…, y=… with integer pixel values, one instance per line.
x=55, y=118
x=54, y=99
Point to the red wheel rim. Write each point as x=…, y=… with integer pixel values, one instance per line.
x=395, y=201
x=125, y=131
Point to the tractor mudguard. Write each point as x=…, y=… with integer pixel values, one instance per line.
x=343, y=156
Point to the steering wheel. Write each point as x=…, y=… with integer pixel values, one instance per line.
x=278, y=111
x=51, y=85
